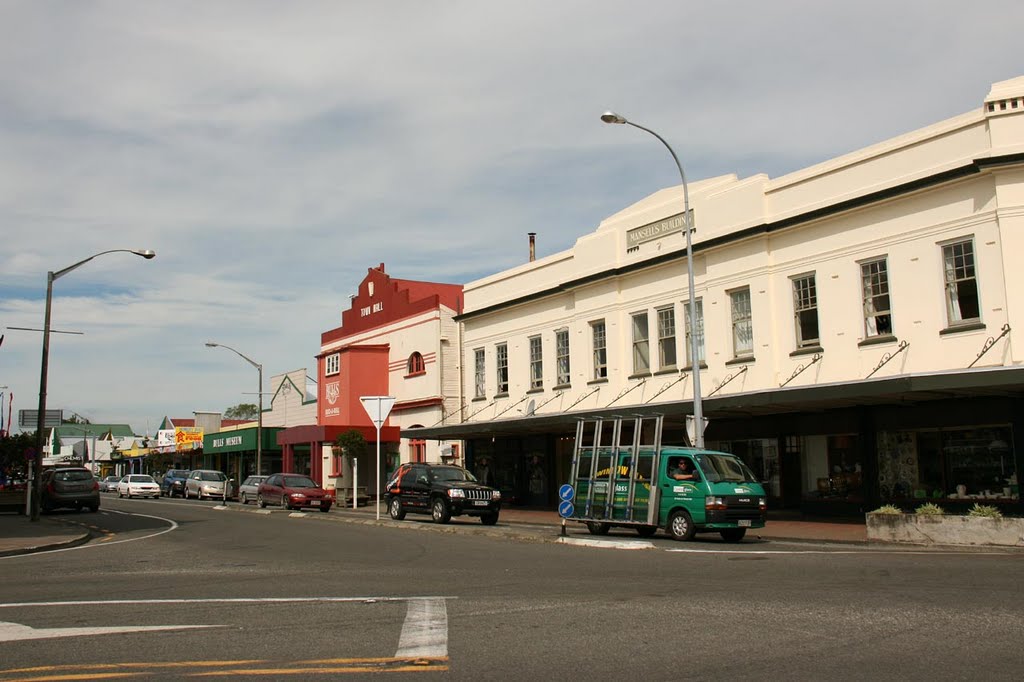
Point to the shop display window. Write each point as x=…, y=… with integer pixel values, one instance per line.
x=761, y=455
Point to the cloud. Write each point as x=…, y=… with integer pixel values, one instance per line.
x=271, y=152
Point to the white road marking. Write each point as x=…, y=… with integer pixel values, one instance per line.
x=223, y=600
x=832, y=551
x=15, y=632
x=425, y=632
x=172, y=526
x=612, y=544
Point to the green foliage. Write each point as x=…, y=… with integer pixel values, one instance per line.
x=352, y=443
x=985, y=510
x=13, y=450
x=930, y=509
x=888, y=509
x=242, y=411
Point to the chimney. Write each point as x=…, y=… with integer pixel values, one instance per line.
x=533, y=246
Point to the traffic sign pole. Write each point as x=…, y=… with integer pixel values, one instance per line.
x=377, y=407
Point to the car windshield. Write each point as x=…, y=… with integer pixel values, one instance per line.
x=178, y=473
x=141, y=478
x=73, y=475
x=452, y=474
x=728, y=468
x=212, y=476
x=299, y=482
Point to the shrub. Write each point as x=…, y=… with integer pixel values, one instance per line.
x=888, y=509
x=930, y=509
x=985, y=510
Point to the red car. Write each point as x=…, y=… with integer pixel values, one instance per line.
x=293, y=491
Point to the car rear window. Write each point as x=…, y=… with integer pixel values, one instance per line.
x=73, y=475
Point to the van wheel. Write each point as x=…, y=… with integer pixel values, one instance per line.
x=597, y=528
x=680, y=526
x=646, y=531
x=395, y=509
x=733, y=534
x=439, y=511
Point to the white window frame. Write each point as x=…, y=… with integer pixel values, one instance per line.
x=875, y=299
x=640, y=327
x=536, y=362
x=668, y=356
x=332, y=364
x=805, y=310
x=562, y=368
x=479, y=373
x=699, y=305
x=960, y=271
x=501, y=367
x=599, y=336
x=742, y=320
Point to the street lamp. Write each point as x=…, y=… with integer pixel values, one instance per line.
x=698, y=411
x=37, y=478
x=259, y=414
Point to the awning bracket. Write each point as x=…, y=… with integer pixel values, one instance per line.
x=668, y=385
x=728, y=379
x=627, y=390
x=815, y=358
x=582, y=398
x=989, y=343
x=889, y=356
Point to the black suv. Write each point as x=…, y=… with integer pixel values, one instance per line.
x=441, y=490
x=173, y=482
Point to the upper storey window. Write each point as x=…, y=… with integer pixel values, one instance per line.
x=962, y=301
x=332, y=364
x=416, y=365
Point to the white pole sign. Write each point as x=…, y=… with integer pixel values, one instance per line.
x=378, y=407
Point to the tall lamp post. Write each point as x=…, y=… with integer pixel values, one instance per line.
x=698, y=409
x=37, y=479
x=259, y=414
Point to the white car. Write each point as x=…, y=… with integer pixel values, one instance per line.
x=138, y=485
x=206, y=483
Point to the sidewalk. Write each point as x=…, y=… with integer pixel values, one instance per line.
x=19, y=535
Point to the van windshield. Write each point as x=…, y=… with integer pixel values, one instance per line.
x=728, y=468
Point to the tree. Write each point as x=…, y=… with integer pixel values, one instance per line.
x=352, y=443
x=242, y=411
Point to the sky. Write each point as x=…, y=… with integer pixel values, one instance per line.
x=271, y=152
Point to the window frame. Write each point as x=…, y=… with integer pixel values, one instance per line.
x=332, y=364
x=805, y=307
x=563, y=366
x=641, y=344
x=599, y=344
x=874, y=289
x=501, y=367
x=667, y=337
x=479, y=373
x=415, y=365
x=536, y=350
x=745, y=318
x=698, y=303
x=953, y=283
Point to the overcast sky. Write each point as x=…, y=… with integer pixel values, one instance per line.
x=271, y=152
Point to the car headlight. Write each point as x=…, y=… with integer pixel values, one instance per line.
x=456, y=492
x=496, y=495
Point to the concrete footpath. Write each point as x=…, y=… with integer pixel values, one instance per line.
x=19, y=535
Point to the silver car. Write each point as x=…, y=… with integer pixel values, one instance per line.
x=249, y=489
x=206, y=483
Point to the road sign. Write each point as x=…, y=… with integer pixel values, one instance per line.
x=566, y=492
x=378, y=407
x=565, y=509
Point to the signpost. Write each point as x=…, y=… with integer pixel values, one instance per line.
x=566, y=493
x=378, y=407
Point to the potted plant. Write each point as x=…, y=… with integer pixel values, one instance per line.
x=930, y=524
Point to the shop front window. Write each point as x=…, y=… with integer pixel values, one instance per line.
x=832, y=469
x=761, y=455
x=947, y=465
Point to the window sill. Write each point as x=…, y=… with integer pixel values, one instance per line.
x=561, y=387
x=639, y=375
x=416, y=374
x=810, y=350
x=703, y=365
x=875, y=340
x=742, y=360
x=501, y=395
x=535, y=390
x=969, y=327
x=669, y=370
x=603, y=380
x=480, y=399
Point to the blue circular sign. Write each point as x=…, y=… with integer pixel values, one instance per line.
x=565, y=509
x=566, y=492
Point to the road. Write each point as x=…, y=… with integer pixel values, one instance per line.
x=171, y=589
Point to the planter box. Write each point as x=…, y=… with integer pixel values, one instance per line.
x=945, y=530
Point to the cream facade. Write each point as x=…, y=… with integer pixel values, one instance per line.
x=854, y=319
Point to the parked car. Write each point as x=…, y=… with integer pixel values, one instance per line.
x=441, y=490
x=250, y=489
x=69, y=487
x=138, y=485
x=293, y=491
x=173, y=482
x=206, y=483
x=109, y=484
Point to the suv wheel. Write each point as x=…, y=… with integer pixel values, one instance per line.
x=489, y=519
x=439, y=511
x=395, y=509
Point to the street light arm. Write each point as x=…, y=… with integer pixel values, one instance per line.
x=145, y=253
x=210, y=344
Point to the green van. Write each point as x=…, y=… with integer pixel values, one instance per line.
x=718, y=493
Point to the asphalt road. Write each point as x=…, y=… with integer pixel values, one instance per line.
x=272, y=595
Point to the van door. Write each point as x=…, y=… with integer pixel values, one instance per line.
x=679, y=491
